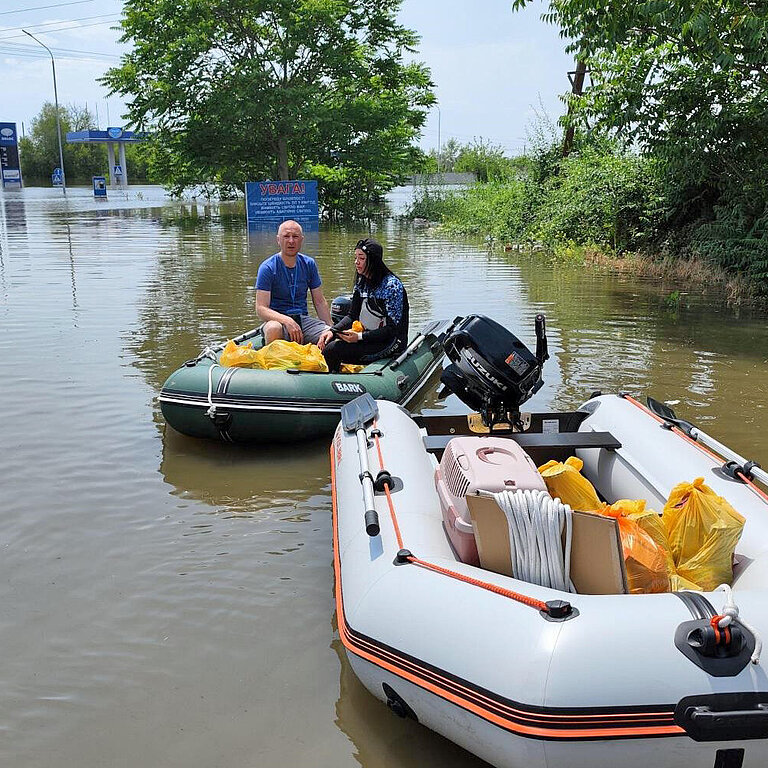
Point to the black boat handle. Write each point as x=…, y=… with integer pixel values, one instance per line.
x=724, y=716
x=710, y=718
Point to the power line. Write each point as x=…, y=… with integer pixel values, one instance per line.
x=43, y=7
x=61, y=21
x=82, y=56
x=26, y=49
x=61, y=29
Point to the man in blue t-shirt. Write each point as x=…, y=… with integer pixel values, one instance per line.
x=281, y=291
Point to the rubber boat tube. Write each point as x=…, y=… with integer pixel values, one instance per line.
x=606, y=685
x=202, y=399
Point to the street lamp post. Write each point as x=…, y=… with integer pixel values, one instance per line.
x=56, y=100
x=439, y=145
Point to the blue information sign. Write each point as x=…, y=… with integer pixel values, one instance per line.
x=57, y=177
x=99, y=186
x=275, y=201
x=10, y=168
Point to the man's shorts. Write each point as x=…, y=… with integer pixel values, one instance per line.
x=311, y=328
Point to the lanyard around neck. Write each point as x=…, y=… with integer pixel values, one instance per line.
x=292, y=288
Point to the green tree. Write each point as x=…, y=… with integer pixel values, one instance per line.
x=485, y=159
x=445, y=159
x=234, y=90
x=686, y=82
x=39, y=151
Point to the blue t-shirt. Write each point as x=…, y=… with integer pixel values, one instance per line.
x=288, y=287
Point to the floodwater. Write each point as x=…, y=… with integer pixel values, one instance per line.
x=168, y=602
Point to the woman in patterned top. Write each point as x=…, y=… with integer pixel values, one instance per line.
x=379, y=303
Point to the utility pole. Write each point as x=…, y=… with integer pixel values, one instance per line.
x=439, y=144
x=577, y=88
x=56, y=101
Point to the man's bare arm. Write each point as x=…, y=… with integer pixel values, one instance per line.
x=321, y=305
x=264, y=311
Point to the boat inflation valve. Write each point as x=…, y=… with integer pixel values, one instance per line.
x=397, y=704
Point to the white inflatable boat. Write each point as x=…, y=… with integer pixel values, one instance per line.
x=525, y=675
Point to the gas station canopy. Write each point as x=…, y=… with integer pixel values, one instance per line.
x=118, y=172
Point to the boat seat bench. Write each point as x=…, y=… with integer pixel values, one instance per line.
x=541, y=446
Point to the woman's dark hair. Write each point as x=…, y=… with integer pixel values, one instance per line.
x=374, y=262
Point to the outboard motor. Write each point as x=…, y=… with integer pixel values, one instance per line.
x=340, y=307
x=491, y=370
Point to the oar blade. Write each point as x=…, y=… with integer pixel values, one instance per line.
x=661, y=409
x=665, y=412
x=358, y=412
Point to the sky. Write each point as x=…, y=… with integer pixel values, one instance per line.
x=493, y=69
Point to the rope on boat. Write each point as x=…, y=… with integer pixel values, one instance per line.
x=211, y=412
x=730, y=614
x=536, y=523
x=539, y=605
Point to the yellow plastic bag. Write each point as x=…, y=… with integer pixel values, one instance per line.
x=357, y=326
x=350, y=368
x=652, y=524
x=565, y=481
x=283, y=354
x=703, y=530
x=239, y=357
x=645, y=560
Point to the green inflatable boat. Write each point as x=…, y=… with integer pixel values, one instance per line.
x=246, y=405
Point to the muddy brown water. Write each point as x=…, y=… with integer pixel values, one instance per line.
x=168, y=602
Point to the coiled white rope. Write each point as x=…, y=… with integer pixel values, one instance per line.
x=536, y=523
x=730, y=612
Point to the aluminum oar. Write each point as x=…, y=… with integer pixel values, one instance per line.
x=749, y=468
x=354, y=416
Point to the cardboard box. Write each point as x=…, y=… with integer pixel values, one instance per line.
x=597, y=560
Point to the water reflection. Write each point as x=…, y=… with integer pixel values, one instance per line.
x=239, y=480
x=14, y=213
x=381, y=738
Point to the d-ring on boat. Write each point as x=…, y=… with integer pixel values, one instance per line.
x=522, y=674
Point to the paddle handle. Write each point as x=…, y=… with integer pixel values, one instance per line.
x=371, y=516
x=371, y=522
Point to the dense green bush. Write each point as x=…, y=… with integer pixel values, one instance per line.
x=617, y=201
x=597, y=196
x=612, y=199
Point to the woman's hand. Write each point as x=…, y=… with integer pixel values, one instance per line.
x=351, y=337
x=325, y=337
